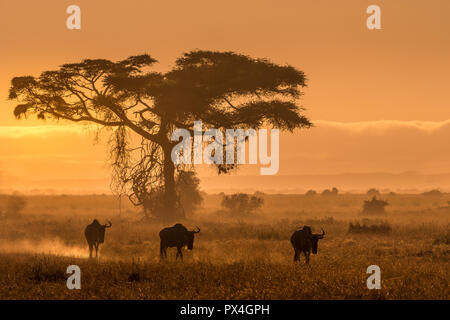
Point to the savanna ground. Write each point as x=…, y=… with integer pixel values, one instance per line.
x=233, y=257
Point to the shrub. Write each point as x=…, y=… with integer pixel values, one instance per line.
x=374, y=206
x=242, y=203
x=373, y=192
x=434, y=192
x=15, y=204
x=188, y=188
x=332, y=192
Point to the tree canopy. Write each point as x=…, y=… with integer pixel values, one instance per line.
x=224, y=90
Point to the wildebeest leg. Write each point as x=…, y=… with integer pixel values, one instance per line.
x=90, y=250
x=307, y=253
x=296, y=256
x=162, y=251
x=96, y=250
x=179, y=253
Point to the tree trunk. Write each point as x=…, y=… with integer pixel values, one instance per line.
x=171, y=210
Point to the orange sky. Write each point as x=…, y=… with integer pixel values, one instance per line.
x=358, y=79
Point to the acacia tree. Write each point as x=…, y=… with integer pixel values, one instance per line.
x=224, y=90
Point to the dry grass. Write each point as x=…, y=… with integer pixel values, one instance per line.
x=231, y=259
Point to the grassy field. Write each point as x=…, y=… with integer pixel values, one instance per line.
x=233, y=258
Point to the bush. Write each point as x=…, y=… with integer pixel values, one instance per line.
x=15, y=204
x=188, y=189
x=434, y=192
x=311, y=193
x=373, y=192
x=332, y=192
x=259, y=194
x=242, y=203
x=374, y=206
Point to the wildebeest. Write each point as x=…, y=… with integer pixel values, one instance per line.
x=305, y=241
x=177, y=236
x=95, y=234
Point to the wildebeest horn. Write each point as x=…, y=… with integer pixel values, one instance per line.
x=108, y=226
x=196, y=231
x=320, y=236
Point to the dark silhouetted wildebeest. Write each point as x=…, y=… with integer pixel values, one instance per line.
x=95, y=234
x=177, y=236
x=305, y=241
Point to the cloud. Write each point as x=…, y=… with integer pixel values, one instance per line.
x=383, y=125
x=330, y=147
x=34, y=156
x=380, y=125
x=17, y=132
x=369, y=146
